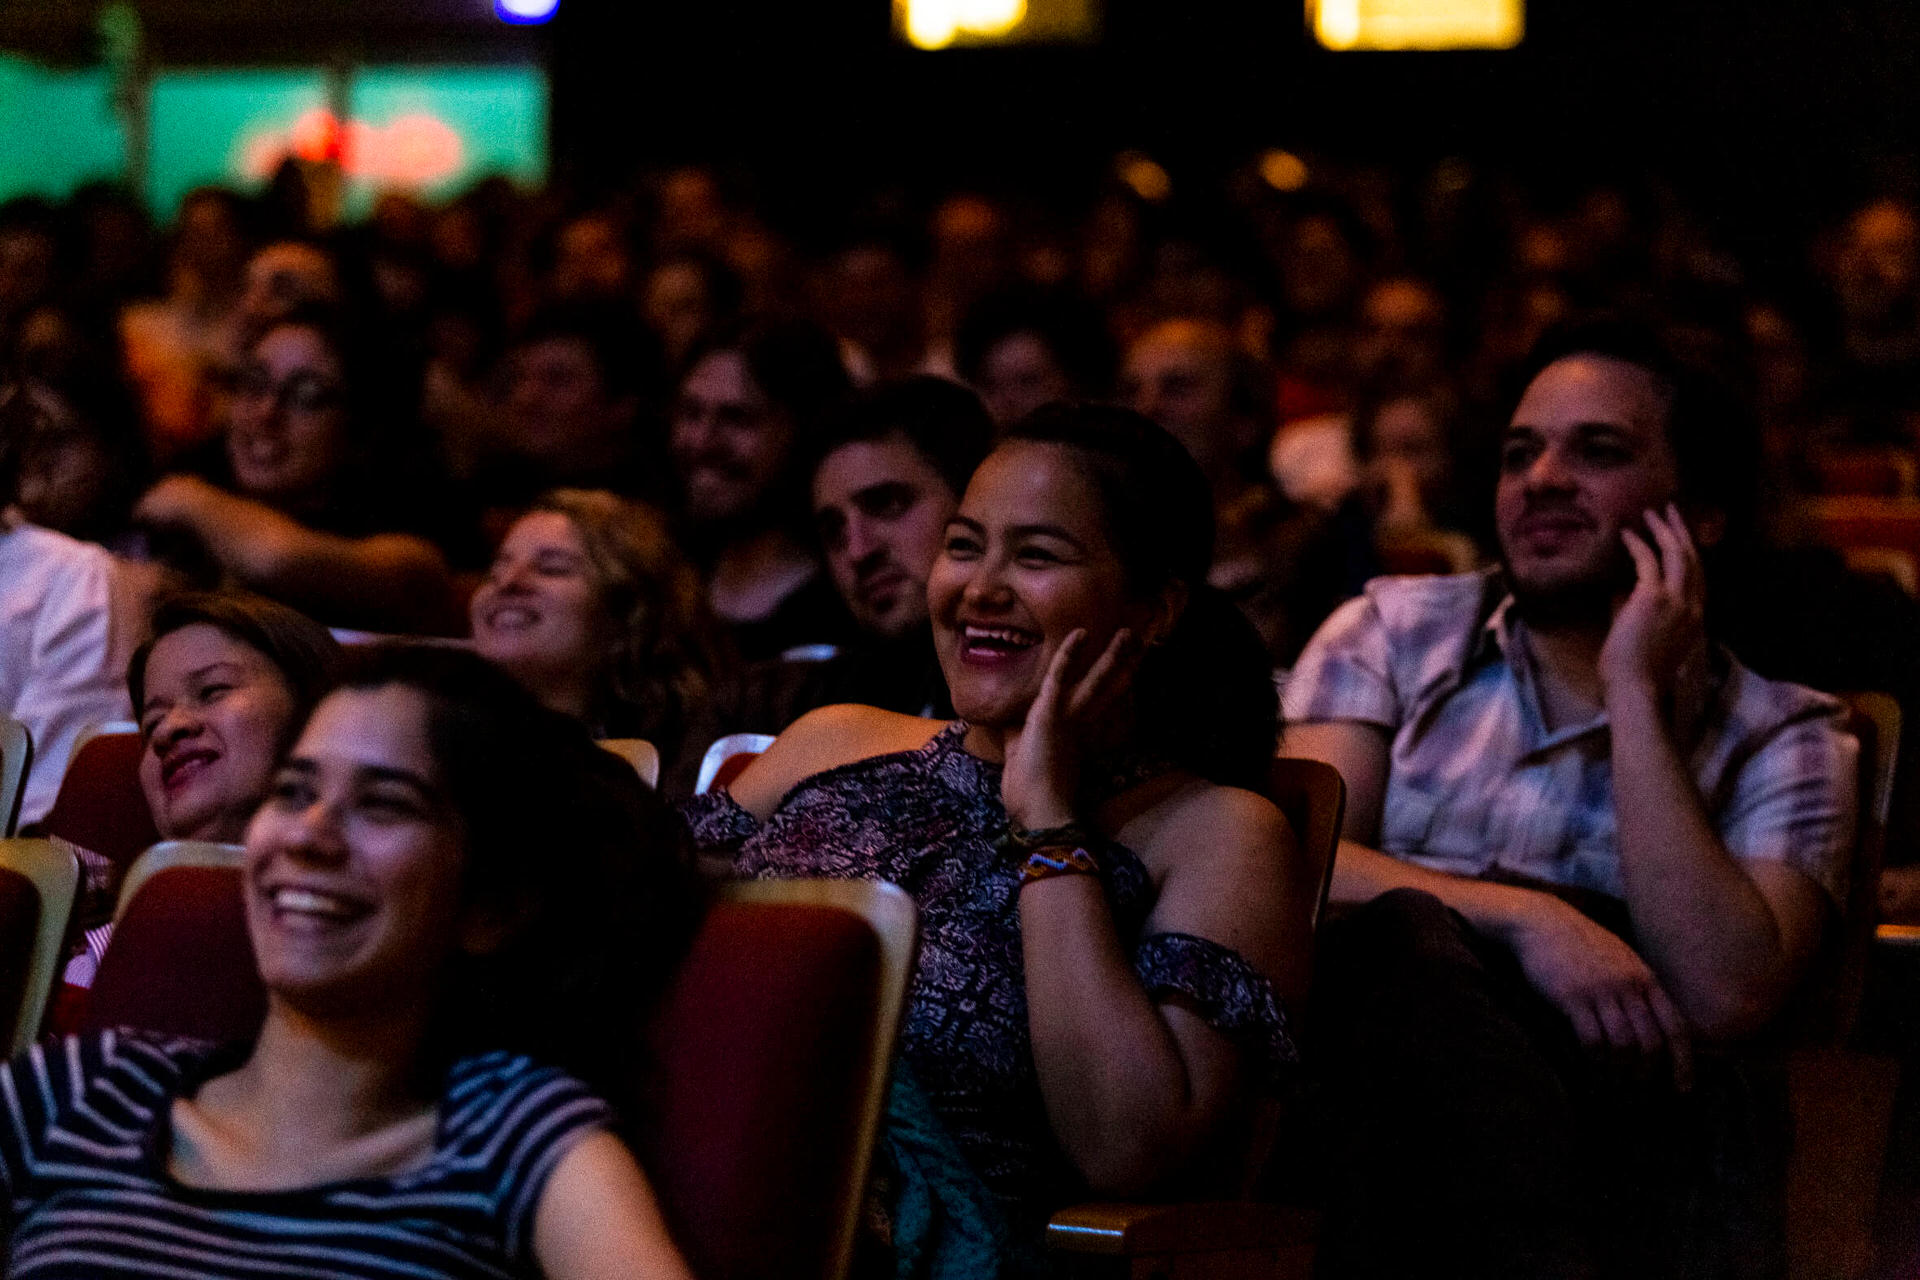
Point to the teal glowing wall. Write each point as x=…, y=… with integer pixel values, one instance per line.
x=58, y=129
x=223, y=126
x=200, y=122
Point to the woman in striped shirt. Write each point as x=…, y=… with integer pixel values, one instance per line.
x=414, y=1104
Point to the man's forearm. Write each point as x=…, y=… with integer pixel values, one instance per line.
x=1361, y=874
x=1698, y=917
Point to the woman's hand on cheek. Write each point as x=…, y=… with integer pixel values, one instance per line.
x=1041, y=779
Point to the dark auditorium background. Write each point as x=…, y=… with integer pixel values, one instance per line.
x=1760, y=108
x=1723, y=144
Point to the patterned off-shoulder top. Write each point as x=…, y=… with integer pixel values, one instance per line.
x=927, y=820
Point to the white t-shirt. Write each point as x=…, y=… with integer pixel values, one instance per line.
x=66, y=632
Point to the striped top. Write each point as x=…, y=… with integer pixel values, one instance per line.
x=83, y=1156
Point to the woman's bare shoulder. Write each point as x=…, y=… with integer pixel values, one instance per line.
x=823, y=739
x=1204, y=822
x=1220, y=856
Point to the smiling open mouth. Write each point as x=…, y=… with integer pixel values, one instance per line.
x=513, y=618
x=182, y=766
x=995, y=644
x=314, y=908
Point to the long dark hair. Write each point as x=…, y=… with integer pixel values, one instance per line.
x=564, y=841
x=1204, y=695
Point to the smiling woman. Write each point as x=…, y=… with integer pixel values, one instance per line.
x=428, y=1093
x=1100, y=901
x=591, y=605
x=220, y=686
x=325, y=505
x=219, y=689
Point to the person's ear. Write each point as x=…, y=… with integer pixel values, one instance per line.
x=1164, y=614
x=1707, y=524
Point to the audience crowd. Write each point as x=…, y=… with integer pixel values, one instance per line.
x=1031, y=531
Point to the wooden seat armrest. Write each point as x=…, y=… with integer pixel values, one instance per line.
x=1903, y=936
x=1120, y=1230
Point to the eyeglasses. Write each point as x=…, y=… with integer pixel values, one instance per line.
x=299, y=393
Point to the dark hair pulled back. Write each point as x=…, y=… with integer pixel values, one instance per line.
x=303, y=651
x=583, y=863
x=1204, y=694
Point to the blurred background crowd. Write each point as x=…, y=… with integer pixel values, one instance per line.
x=1335, y=342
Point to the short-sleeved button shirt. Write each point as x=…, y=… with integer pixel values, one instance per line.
x=1478, y=785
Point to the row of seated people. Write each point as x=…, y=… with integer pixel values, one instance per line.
x=319, y=490
x=1589, y=856
x=589, y=598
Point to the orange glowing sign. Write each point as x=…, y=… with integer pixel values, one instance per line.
x=409, y=150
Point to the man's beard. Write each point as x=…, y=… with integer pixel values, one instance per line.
x=1584, y=602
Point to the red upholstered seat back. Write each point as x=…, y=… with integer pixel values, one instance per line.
x=19, y=922
x=732, y=767
x=99, y=805
x=764, y=1043
x=180, y=960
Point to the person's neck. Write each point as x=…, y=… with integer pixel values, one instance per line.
x=567, y=689
x=753, y=572
x=1567, y=661
x=313, y=1085
x=988, y=742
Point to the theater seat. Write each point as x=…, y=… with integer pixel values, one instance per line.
x=99, y=805
x=774, y=1048
x=1839, y=1087
x=639, y=753
x=180, y=960
x=727, y=757
x=16, y=757
x=39, y=881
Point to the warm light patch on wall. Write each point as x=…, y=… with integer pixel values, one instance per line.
x=409, y=151
x=943, y=24
x=1417, y=24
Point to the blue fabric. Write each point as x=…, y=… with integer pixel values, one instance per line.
x=946, y=1224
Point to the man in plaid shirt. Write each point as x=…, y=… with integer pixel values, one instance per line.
x=1584, y=846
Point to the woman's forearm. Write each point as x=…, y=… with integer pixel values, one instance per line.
x=1117, y=1087
x=392, y=576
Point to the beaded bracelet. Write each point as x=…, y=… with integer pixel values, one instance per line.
x=1057, y=860
x=1022, y=841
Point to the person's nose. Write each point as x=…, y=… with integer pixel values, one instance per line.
x=315, y=834
x=512, y=578
x=694, y=432
x=987, y=588
x=864, y=544
x=176, y=724
x=1548, y=472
